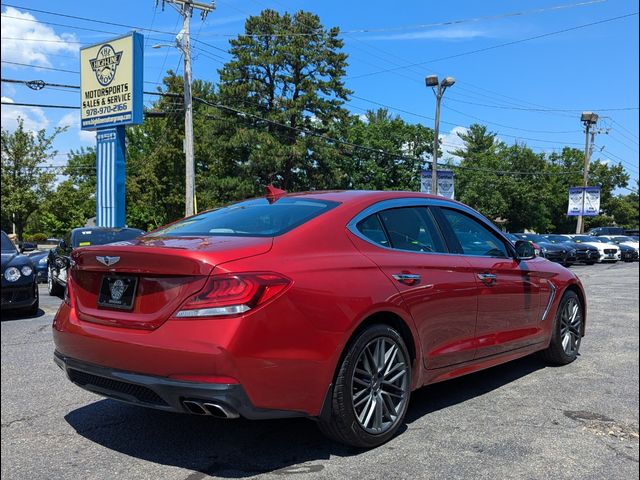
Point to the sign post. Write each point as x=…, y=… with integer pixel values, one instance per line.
x=111, y=97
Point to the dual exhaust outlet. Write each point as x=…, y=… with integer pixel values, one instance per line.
x=214, y=409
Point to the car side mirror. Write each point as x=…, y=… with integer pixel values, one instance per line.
x=27, y=247
x=524, y=250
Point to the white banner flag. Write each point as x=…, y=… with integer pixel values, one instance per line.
x=445, y=183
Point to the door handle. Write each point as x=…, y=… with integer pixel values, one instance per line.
x=407, y=278
x=488, y=278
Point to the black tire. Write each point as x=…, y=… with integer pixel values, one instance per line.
x=590, y=263
x=54, y=288
x=558, y=352
x=342, y=423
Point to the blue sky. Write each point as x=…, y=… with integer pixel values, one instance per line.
x=531, y=91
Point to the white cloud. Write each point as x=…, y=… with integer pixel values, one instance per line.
x=72, y=120
x=25, y=40
x=451, y=141
x=34, y=118
x=439, y=34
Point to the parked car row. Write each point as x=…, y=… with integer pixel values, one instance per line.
x=587, y=249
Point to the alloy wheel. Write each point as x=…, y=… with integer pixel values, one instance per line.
x=380, y=385
x=571, y=326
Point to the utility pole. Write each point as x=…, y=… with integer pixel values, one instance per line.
x=183, y=42
x=589, y=119
x=438, y=90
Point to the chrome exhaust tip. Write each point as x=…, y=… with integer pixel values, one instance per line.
x=194, y=407
x=220, y=411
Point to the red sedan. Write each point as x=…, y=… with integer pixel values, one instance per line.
x=328, y=305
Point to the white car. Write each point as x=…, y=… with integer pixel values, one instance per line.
x=609, y=252
x=622, y=240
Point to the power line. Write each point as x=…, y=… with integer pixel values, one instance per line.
x=530, y=109
x=38, y=66
x=42, y=40
x=86, y=19
x=500, y=45
x=40, y=105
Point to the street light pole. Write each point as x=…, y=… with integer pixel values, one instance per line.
x=438, y=89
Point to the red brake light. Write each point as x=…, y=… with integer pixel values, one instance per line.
x=68, y=292
x=233, y=294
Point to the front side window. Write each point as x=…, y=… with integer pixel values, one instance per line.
x=413, y=229
x=474, y=238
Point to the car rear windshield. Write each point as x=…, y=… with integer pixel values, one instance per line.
x=558, y=238
x=84, y=238
x=622, y=239
x=587, y=238
x=252, y=218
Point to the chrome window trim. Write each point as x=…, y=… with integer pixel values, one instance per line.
x=425, y=202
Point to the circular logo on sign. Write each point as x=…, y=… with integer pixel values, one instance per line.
x=105, y=64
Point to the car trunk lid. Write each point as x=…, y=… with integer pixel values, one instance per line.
x=156, y=275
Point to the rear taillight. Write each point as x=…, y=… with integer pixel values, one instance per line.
x=233, y=294
x=68, y=293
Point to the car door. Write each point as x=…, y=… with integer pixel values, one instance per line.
x=438, y=289
x=508, y=291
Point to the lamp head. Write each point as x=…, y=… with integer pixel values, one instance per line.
x=431, y=81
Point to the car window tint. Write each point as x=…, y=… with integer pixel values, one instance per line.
x=475, y=239
x=371, y=228
x=412, y=228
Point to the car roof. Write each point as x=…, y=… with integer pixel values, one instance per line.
x=349, y=195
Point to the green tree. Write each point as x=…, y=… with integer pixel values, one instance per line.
x=25, y=184
x=287, y=69
x=73, y=202
x=394, y=155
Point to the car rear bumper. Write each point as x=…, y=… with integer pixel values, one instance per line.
x=221, y=400
x=281, y=362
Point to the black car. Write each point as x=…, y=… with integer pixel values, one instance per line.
x=607, y=231
x=586, y=254
x=561, y=254
x=627, y=253
x=19, y=285
x=40, y=261
x=58, y=260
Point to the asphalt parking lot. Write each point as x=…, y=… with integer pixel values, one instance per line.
x=520, y=420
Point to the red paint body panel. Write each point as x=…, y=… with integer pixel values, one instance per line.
x=285, y=353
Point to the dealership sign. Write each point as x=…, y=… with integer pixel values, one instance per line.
x=445, y=183
x=584, y=201
x=111, y=83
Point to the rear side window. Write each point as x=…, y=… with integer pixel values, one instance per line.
x=253, y=218
x=371, y=228
x=413, y=229
x=474, y=238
